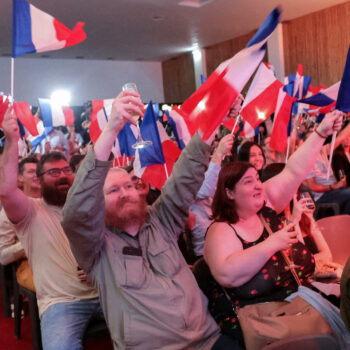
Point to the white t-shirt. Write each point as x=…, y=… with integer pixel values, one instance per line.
x=50, y=256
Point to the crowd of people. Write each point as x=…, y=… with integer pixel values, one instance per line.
x=102, y=244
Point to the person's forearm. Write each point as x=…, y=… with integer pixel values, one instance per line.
x=104, y=144
x=9, y=169
x=315, y=187
x=241, y=267
x=302, y=161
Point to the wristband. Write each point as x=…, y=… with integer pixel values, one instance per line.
x=319, y=134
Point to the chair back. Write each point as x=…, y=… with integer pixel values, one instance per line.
x=202, y=274
x=336, y=231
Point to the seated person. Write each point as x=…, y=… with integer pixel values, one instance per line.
x=150, y=297
x=253, y=154
x=341, y=161
x=202, y=206
x=10, y=247
x=241, y=255
x=329, y=190
x=66, y=303
x=301, y=211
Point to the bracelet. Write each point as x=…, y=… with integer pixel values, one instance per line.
x=319, y=134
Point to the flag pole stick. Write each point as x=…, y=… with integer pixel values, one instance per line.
x=288, y=146
x=166, y=171
x=12, y=77
x=334, y=136
x=236, y=122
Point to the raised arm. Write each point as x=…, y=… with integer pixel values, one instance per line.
x=84, y=210
x=279, y=189
x=14, y=201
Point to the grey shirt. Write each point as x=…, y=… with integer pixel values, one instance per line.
x=151, y=300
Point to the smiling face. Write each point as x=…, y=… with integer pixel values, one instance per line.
x=256, y=157
x=28, y=180
x=248, y=194
x=123, y=203
x=55, y=188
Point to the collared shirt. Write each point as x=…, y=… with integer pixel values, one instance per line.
x=149, y=296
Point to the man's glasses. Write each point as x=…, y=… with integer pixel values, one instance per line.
x=56, y=172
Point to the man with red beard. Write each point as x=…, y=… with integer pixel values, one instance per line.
x=66, y=304
x=149, y=296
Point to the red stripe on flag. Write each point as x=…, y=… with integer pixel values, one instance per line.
x=279, y=135
x=3, y=108
x=72, y=37
x=207, y=107
x=68, y=115
x=26, y=117
x=264, y=103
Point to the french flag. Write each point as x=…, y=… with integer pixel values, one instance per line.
x=343, y=99
x=205, y=109
x=25, y=116
x=279, y=135
x=154, y=163
x=324, y=97
x=101, y=109
x=178, y=127
x=260, y=101
x=54, y=115
x=37, y=31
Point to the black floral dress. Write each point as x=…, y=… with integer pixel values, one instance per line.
x=272, y=283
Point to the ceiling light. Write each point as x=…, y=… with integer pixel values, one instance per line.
x=196, y=52
x=60, y=98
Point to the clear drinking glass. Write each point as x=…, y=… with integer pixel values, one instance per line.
x=286, y=221
x=341, y=174
x=140, y=143
x=309, y=203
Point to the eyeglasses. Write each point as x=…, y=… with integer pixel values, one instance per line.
x=56, y=172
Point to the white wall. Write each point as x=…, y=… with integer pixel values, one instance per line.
x=85, y=79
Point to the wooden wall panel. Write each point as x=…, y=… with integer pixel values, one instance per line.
x=218, y=53
x=320, y=41
x=178, y=78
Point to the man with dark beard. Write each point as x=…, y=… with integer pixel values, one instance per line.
x=66, y=304
x=149, y=296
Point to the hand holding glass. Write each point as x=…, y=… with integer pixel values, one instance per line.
x=287, y=221
x=309, y=202
x=140, y=143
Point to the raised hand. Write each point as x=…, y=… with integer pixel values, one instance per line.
x=284, y=238
x=124, y=107
x=10, y=125
x=331, y=122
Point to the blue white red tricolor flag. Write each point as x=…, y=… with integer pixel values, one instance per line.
x=260, y=101
x=150, y=162
x=279, y=135
x=207, y=107
x=55, y=115
x=178, y=127
x=324, y=97
x=36, y=31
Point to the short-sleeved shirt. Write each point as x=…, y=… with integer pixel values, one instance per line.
x=50, y=256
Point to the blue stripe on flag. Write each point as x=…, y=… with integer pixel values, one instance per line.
x=152, y=154
x=266, y=28
x=46, y=112
x=21, y=29
x=38, y=139
x=343, y=100
x=172, y=124
x=318, y=99
x=126, y=139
